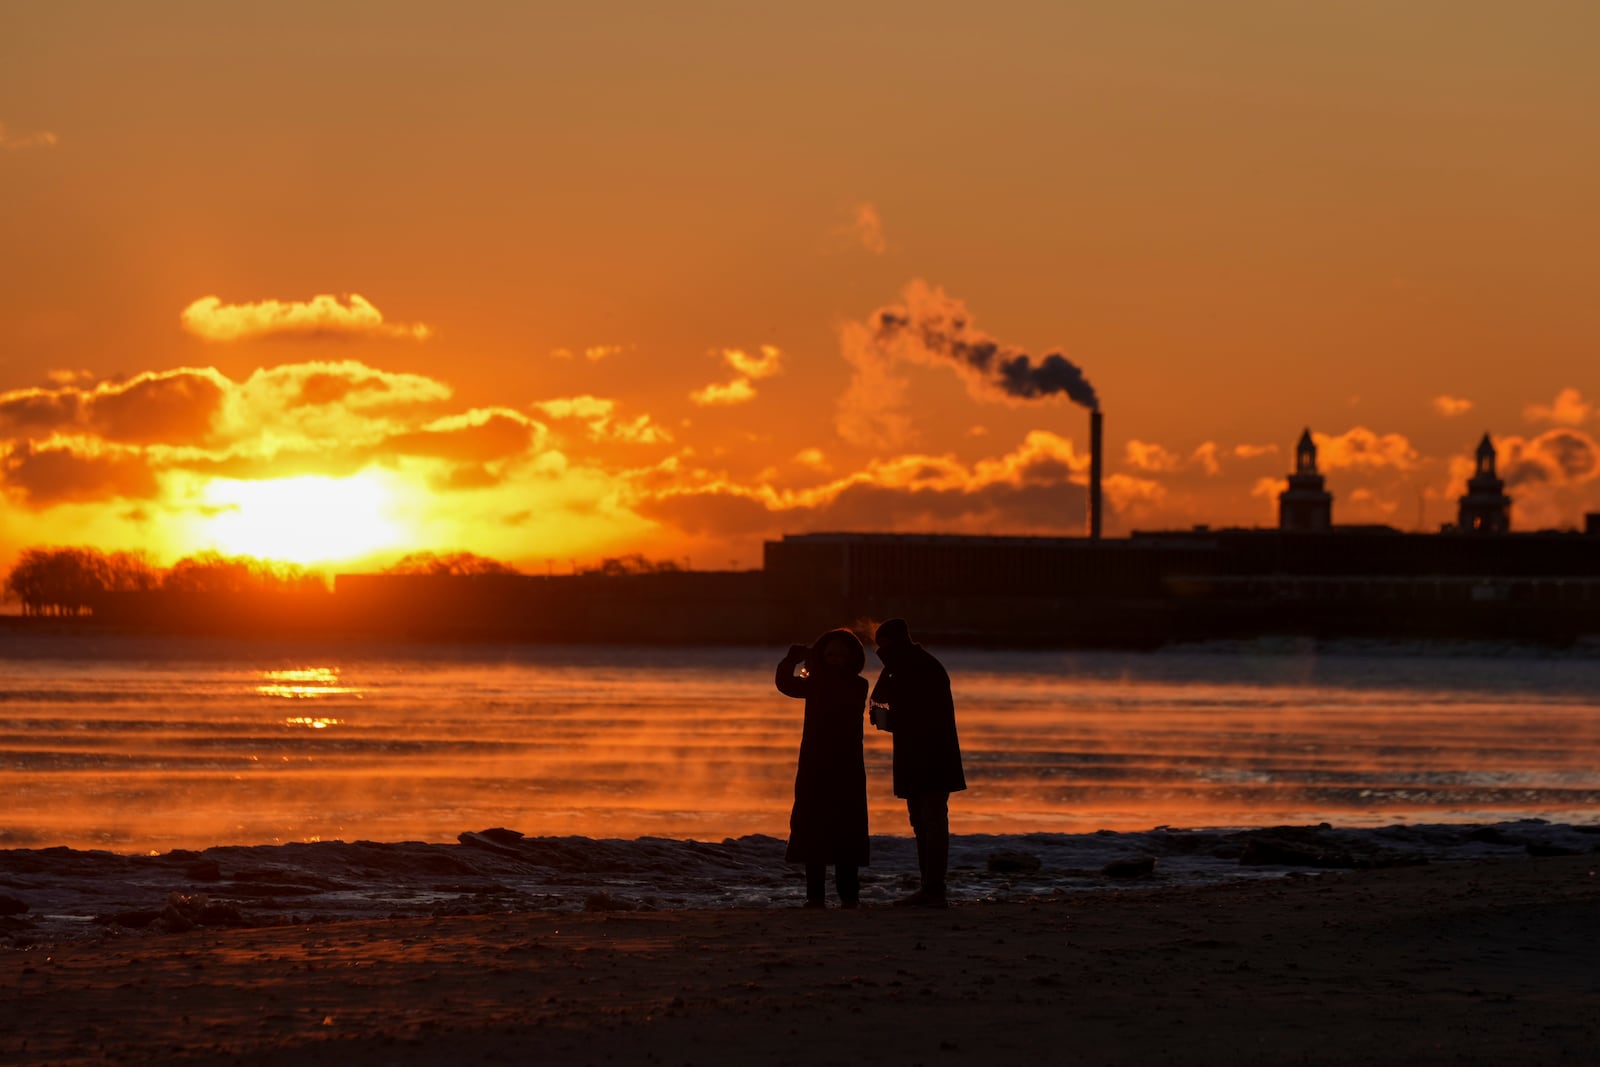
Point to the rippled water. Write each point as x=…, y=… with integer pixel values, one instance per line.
x=135, y=744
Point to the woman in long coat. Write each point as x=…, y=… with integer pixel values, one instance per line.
x=828, y=824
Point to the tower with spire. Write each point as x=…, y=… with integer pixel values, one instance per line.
x=1306, y=504
x=1485, y=508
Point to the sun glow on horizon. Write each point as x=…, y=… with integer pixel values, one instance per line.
x=307, y=519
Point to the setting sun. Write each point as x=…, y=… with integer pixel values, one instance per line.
x=308, y=519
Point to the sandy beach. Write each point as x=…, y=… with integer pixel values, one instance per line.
x=1475, y=962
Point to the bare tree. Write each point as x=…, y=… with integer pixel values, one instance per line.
x=449, y=563
x=633, y=563
x=212, y=572
x=58, y=581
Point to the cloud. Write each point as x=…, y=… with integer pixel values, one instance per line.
x=1145, y=456
x=1568, y=409
x=315, y=403
x=130, y=462
x=322, y=316
x=175, y=407
x=1158, y=459
x=40, y=412
x=1036, y=488
x=639, y=430
x=812, y=457
x=1451, y=406
x=598, y=414
x=718, y=394
x=73, y=471
x=1376, y=505
x=1132, y=497
x=17, y=142
x=767, y=362
x=120, y=437
x=1268, y=488
x=592, y=353
x=1362, y=449
x=476, y=437
x=1555, y=457
x=1254, y=451
x=577, y=407
x=864, y=230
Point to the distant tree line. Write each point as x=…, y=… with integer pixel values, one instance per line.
x=633, y=563
x=66, y=581
x=453, y=564
x=456, y=564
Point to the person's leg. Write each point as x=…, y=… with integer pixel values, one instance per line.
x=936, y=849
x=816, y=885
x=847, y=879
x=930, y=822
x=914, y=810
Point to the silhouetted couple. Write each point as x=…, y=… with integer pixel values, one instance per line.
x=912, y=702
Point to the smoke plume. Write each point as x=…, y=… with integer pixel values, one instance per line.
x=933, y=327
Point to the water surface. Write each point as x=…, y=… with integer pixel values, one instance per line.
x=136, y=744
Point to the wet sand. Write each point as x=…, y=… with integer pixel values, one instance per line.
x=1483, y=962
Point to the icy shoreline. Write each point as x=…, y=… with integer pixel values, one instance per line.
x=59, y=893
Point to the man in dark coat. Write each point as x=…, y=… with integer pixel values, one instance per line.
x=921, y=714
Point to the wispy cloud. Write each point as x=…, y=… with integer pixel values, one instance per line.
x=1152, y=458
x=16, y=142
x=1133, y=497
x=1451, y=406
x=592, y=353
x=322, y=316
x=813, y=458
x=598, y=414
x=1249, y=451
x=1568, y=409
x=864, y=230
x=1148, y=456
x=767, y=361
x=1267, y=488
x=720, y=394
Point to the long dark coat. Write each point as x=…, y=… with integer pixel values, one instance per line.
x=922, y=718
x=829, y=821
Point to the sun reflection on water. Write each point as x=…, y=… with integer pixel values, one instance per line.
x=305, y=683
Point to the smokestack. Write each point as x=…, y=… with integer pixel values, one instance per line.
x=1094, y=474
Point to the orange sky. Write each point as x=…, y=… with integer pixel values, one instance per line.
x=334, y=282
